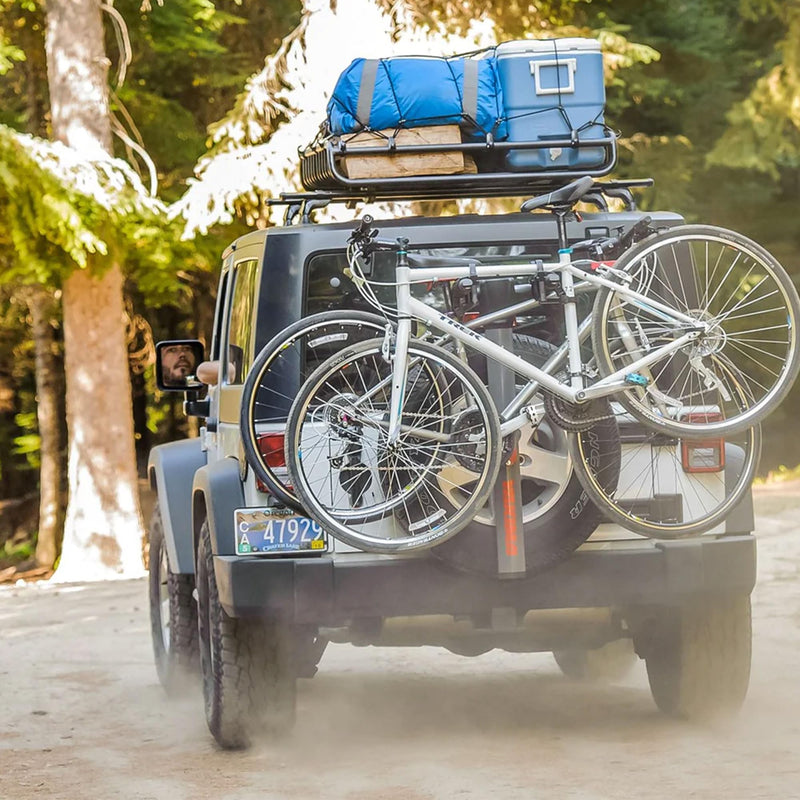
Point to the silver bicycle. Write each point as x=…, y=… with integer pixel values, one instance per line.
x=394, y=445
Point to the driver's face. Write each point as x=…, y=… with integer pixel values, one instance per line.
x=177, y=361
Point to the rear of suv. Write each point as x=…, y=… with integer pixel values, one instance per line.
x=254, y=623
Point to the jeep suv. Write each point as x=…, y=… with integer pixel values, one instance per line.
x=255, y=623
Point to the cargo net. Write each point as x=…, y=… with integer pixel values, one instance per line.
x=411, y=122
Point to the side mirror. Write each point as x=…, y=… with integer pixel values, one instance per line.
x=176, y=364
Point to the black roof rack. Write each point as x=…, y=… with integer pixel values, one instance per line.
x=305, y=203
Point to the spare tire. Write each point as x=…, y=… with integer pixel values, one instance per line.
x=557, y=514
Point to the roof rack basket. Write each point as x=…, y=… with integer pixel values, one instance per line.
x=323, y=167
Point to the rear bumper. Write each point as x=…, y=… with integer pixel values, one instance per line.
x=327, y=592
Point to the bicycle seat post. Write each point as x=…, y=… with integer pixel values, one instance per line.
x=561, y=212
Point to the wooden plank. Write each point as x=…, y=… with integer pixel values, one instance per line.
x=397, y=165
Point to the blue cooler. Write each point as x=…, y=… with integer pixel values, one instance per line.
x=553, y=89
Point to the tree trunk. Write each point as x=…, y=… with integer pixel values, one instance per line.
x=103, y=529
x=50, y=414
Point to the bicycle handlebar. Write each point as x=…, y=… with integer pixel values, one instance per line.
x=364, y=236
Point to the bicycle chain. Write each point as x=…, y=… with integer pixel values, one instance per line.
x=576, y=417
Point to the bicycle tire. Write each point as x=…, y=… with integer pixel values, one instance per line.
x=282, y=361
x=752, y=309
x=352, y=482
x=655, y=495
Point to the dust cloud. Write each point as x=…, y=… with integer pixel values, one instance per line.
x=83, y=714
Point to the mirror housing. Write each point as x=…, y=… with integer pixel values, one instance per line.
x=176, y=364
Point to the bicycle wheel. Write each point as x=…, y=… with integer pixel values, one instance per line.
x=388, y=497
x=751, y=309
x=669, y=487
x=275, y=378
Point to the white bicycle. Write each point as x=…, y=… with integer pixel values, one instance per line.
x=394, y=444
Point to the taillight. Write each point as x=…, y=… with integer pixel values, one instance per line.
x=703, y=455
x=270, y=445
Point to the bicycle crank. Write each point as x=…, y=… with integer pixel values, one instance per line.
x=576, y=417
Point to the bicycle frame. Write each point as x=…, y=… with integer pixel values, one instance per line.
x=410, y=309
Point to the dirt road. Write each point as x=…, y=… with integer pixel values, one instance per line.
x=84, y=717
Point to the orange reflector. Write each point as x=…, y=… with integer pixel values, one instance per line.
x=703, y=455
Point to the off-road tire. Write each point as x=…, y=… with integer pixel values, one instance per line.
x=176, y=650
x=698, y=657
x=249, y=683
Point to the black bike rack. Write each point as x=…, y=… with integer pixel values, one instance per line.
x=506, y=498
x=301, y=205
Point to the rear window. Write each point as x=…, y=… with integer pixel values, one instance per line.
x=327, y=286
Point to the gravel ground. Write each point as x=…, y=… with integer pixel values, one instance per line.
x=84, y=716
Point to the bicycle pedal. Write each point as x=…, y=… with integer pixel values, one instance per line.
x=636, y=379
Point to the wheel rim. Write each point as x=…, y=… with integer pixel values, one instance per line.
x=545, y=472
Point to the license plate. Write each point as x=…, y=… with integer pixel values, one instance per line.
x=277, y=531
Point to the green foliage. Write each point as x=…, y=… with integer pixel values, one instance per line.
x=59, y=211
x=23, y=89
x=12, y=553
x=17, y=395
x=171, y=134
x=9, y=55
x=764, y=129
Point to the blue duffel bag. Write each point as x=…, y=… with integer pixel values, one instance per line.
x=413, y=91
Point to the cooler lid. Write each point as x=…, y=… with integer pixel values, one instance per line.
x=549, y=46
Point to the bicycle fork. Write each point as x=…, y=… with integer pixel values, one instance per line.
x=399, y=358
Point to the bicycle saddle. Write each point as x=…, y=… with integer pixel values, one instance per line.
x=567, y=195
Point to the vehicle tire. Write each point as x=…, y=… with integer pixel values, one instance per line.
x=173, y=615
x=698, y=657
x=286, y=361
x=557, y=515
x=726, y=281
x=249, y=677
x=607, y=664
x=349, y=477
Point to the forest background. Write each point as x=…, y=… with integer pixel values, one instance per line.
x=209, y=100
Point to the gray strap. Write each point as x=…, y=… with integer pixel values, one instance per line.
x=469, y=94
x=368, y=75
